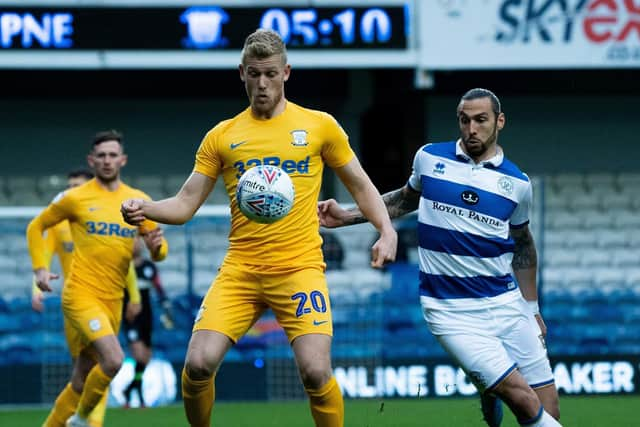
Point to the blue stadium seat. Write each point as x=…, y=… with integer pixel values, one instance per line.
x=9, y=323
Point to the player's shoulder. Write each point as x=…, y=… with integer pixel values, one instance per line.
x=74, y=193
x=309, y=113
x=446, y=149
x=507, y=167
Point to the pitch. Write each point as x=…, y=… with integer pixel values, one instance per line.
x=576, y=411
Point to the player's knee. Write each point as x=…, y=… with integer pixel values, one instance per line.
x=314, y=376
x=112, y=363
x=198, y=367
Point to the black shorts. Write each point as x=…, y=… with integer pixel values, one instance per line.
x=140, y=328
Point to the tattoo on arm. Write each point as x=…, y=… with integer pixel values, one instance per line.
x=524, y=253
x=399, y=202
x=357, y=218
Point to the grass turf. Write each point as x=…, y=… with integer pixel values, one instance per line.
x=576, y=411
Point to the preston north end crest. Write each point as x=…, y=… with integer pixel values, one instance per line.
x=299, y=138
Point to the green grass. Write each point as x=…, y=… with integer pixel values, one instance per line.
x=576, y=411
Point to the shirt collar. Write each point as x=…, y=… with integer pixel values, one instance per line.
x=494, y=161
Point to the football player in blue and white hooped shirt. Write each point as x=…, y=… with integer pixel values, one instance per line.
x=473, y=215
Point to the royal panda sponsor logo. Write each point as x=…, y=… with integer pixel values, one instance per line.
x=470, y=197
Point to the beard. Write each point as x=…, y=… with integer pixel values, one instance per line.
x=476, y=148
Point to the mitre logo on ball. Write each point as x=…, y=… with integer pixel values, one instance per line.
x=265, y=194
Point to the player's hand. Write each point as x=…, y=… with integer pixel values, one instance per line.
x=132, y=212
x=153, y=239
x=37, y=303
x=543, y=327
x=331, y=214
x=132, y=310
x=384, y=249
x=42, y=278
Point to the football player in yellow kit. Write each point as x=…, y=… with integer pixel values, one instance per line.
x=279, y=265
x=59, y=242
x=93, y=291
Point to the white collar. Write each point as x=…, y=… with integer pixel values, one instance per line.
x=494, y=161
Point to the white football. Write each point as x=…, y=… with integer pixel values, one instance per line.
x=265, y=194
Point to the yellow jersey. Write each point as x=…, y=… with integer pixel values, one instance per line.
x=300, y=141
x=59, y=242
x=103, y=242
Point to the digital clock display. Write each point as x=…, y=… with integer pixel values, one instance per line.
x=353, y=27
x=200, y=27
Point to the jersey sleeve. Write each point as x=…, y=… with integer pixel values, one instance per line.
x=57, y=211
x=207, y=159
x=522, y=212
x=336, y=150
x=132, y=285
x=414, y=180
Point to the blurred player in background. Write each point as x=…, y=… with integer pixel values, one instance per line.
x=93, y=293
x=277, y=266
x=473, y=231
x=59, y=242
x=138, y=327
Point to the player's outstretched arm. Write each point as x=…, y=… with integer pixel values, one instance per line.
x=398, y=202
x=372, y=206
x=174, y=210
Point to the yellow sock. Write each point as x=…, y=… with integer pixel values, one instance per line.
x=198, y=397
x=95, y=386
x=96, y=417
x=63, y=408
x=327, y=405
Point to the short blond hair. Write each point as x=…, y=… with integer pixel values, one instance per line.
x=262, y=44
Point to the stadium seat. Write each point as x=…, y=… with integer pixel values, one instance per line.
x=556, y=202
x=50, y=185
x=563, y=181
x=626, y=220
x=591, y=258
x=563, y=220
x=596, y=219
x=610, y=202
x=28, y=198
x=625, y=257
x=606, y=276
x=609, y=238
x=602, y=182
x=561, y=258
x=582, y=201
x=628, y=180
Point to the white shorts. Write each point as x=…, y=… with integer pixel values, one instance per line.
x=490, y=343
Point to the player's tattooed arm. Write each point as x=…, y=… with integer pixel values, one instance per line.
x=399, y=202
x=524, y=252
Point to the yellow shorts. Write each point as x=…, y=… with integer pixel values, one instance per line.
x=237, y=298
x=87, y=318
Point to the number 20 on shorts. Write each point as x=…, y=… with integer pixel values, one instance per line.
x=318, y=303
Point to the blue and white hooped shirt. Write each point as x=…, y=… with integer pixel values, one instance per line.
x=464, y=216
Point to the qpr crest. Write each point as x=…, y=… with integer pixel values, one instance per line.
x=505, y=185
x=299, y=138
